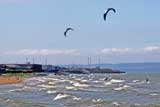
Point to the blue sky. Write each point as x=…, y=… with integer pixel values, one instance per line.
x=34, y=28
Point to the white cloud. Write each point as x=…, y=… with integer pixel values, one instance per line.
x=151, y=48
x=75, y=52
x=114, y=50
x=43, y=52
x=148, y=49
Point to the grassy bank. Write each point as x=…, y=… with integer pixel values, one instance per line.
x=21, y=75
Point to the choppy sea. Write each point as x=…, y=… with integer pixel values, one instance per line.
x=93, y=90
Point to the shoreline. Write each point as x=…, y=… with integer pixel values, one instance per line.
x=10, y=80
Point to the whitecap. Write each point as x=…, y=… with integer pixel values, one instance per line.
x=116, y=81
x=8, y=100
x=153, y=94
x=51, y=83
x=148, y=82
x=26, y=88
x=116, y=103
x=71, y=88
x=80, y=85
x=84, y=81
x=54, y=79
x=36, y=79
x=46, y=86
x=122, y=88
x=119, y=103
x=96, y=81
x=96, y=100
x=135, y=81
x=108, y=83
x=71, y=82
x=14, y=90
x=40, y=80
x=63, y=80
x=101, y=79
x=137, y=104
x=89, y=76
x=143, y=82
x=73, y=77
x=61, y=96
x=51, y=92
x=76, y=98
x=106, y=79
x=78, y=79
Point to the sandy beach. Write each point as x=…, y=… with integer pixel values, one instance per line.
x=10, y=80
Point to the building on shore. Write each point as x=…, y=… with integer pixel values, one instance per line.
x=28, y=68
x=50, y=68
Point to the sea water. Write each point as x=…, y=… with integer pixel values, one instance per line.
x=87, y=90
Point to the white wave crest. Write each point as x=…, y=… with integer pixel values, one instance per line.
x=61, y=96
x=71, y=88
x=51, y=92
x=116, y=81
x=154, y=94
x=122, y=88
x=135, y=81
x=46, y=86
x=76, y=98
x=77, y=84
x=108, y=83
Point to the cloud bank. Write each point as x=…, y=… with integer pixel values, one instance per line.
x=107, y=55
x=152, y=49
x=114, y=50
x=145, y=50
x=43, y=52
x=76, y=52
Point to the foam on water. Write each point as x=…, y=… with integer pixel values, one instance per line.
x=61, y=96
x=71, y=88
x=84, y=81
x=46, y=86
x=116, y=81
x=63, y=81
x=96, y=81
x=27, y=88
x=96, y=100
x=122, y=88
x=77, y=84
x=71, y=82
x=76, y=98
x=40, y=79
x=135, y=81
x=154, y=94
x=108, y=83
x=119, y=103
x=51, y=92
x=16, y=90
x=52, y=83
